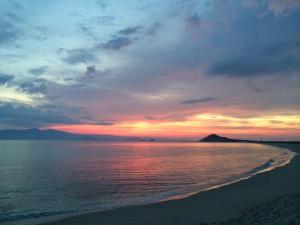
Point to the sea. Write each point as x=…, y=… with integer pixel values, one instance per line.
x=40, y=180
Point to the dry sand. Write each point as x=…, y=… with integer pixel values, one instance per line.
x=270, y=198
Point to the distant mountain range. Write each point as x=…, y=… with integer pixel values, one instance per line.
x=50, y=134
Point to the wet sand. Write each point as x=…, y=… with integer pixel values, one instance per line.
x=267, y=198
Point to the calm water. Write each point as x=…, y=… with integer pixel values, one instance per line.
x=44, y=178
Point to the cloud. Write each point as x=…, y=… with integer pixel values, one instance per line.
x=92, y=72
x=276, y=59
x=88, y=30
x=255, y=88
x=150, y=117
x=193, y=21
x=38, y=70
x=279, y=7
x=154, y=28
x=104, y=20
x=118, y=43
x=5, y=78
x=105, y=123
x=9, y=33
x=27, y=116
x=162, y=68
x=102, y=4
x=198, y=100
x=79, y=55
x=13, y=16
x=130, y=30
x=122, y=38
x=33, y=86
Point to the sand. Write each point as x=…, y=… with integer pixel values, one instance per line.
x=270, y=198
x=282, y=210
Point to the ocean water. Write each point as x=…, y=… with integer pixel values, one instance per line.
x=40, y=179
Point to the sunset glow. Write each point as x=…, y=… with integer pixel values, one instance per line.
x=172, y=69
x=258, y=127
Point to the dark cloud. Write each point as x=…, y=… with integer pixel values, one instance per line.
x=8, y=33
x=34, y=86
x=198, y=100
x=60, y=50
x=92, y=72
x=255, y=88
x=79, y=55
x=122, y=38
x=275, y=59
x=117, y=43
x=154, y=28
x=102, y=4
x=13, y=17
x=277, y=7
x=88, y=30
x=247, y=44
x=150, y=117
x=105, y=123
x=28, y=116
x=38, y=70
x=193, y=21
x=5, y=78
x=130, y=30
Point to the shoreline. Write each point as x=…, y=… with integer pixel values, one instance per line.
x=98, y=215
x=267, y=169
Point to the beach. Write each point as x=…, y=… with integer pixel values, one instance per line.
x=266, y=198
x=150, y=112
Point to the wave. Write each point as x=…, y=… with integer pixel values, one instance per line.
x=7, y=217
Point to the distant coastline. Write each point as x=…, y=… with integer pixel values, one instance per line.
x=52, y=134
x=217, y=138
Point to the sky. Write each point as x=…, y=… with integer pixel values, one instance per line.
x=171, y=68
